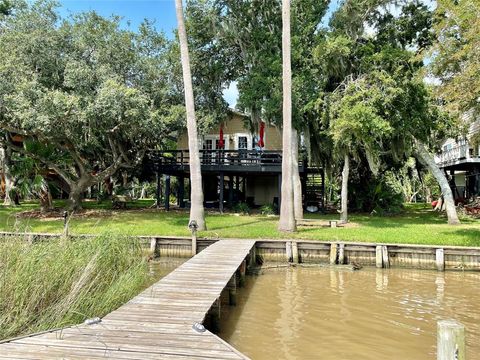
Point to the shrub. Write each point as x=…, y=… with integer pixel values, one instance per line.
x=241, y=208
x=268, y=209
x=54, y=283
x=380, y=196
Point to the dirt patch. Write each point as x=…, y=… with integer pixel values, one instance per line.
x=57, y=213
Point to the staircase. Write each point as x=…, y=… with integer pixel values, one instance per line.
x=314, y=189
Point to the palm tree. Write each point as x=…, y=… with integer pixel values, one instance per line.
x=297, y=183
x=287, y=213
x=197, y=212
x=344, y=193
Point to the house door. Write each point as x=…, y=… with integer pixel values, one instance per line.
x=244, y=143
x=210, y=153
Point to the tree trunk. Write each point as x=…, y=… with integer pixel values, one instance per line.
x=5, y=163
x=287, y=212
x=297, y=184
x=344, y=194
x=428, y=160
x=46, y=202
x=197, y=212
x=77, y=190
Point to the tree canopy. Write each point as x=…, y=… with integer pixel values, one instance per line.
x=456, y=55
x=96, y=95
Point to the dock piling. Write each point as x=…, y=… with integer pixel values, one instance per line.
x=440, y=259
x=333, y=253
x=378, y=257
x=295, y=257
x=341, y=254
x=288, y=251
x=385, y=259
x=450, y=340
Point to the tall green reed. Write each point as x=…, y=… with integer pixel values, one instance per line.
x=54, y=283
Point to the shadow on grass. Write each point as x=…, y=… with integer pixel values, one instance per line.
x=471, y=237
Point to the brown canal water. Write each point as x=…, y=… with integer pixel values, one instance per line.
x=161, y=267
x=328, y=313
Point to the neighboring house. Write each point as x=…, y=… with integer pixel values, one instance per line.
x=460, y=159
x=240, y=162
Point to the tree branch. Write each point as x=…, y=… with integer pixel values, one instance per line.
x=64, y=175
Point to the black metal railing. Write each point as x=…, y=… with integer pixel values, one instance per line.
x=220, y=158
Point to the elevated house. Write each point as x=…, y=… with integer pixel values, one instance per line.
x=240, y=162
x=460, y=159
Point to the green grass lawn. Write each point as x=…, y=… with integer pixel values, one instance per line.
x=417, y=225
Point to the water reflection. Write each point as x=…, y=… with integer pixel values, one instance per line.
x=161, y=267
x=309, y=313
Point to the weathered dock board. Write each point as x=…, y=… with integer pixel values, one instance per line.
x=156, y=324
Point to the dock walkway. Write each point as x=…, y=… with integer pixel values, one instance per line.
x=156, y=324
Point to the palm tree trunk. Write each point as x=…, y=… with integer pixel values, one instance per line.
x=344, y=194
x=287, y=212
x=428, y=160
x=297, y=184
x=197, y=212
x=5, y=163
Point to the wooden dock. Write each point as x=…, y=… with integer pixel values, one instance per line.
x=158, y=323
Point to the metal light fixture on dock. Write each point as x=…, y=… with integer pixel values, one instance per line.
x=199, y=327
x=93, y=321
x=193, y=226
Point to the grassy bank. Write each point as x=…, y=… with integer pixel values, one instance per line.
x=417, y=225
x=57, y=283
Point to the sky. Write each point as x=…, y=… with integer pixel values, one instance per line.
x=162, y=12
x=134, y=12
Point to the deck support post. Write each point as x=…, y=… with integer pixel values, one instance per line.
x=194, y=243
x=242, y=271
x=385, y=259
x=158, y=192
x=181, y=192
x=279, y=192
x=220, y=200
x=295, y=257
x=154, y=251
x=232, y=290
x=230, y=191
x=378, y=256
x=341, y=254
x=450, y=340
x=167, y=192
x=244, y=189
x=253, y=257
x=333, y=253
x=214, y=315
x=440, y=259
x=288, y=251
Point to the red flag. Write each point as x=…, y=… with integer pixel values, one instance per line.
x=221, y=142
x=261, y=143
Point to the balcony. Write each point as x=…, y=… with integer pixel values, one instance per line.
x=458, y=154
x=239, y=161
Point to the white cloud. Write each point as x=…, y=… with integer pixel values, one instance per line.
x=230, y=94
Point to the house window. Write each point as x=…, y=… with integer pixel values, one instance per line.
x=242, y=143
x=207, y=145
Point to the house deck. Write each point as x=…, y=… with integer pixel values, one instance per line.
x=247, y=175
